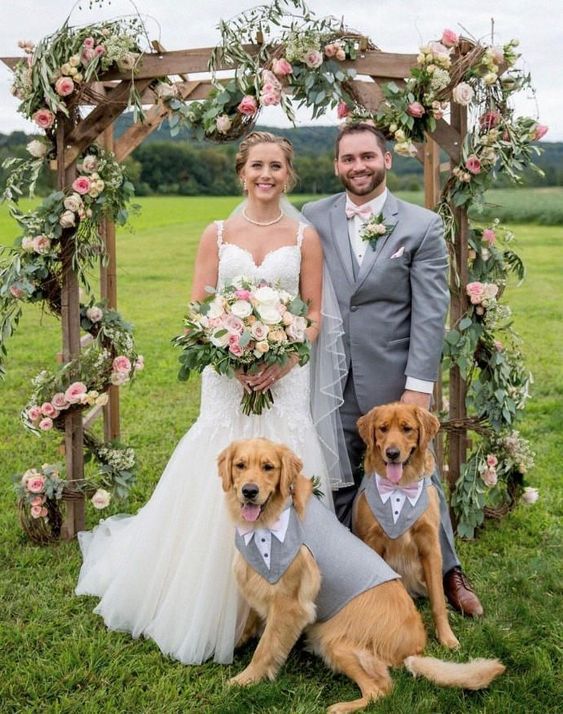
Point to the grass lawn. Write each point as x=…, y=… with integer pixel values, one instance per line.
x=56, y=656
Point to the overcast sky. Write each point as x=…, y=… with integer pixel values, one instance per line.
x=393, y=25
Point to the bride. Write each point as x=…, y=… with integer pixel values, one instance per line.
x=166, y=573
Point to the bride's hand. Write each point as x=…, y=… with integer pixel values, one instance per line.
x=261, y=381
x=243, y=378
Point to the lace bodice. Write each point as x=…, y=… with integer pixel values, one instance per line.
x=280, y=266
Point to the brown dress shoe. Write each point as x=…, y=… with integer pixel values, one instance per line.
x=460, y=593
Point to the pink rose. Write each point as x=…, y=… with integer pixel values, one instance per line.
x=415, y=109
x=87, y=55
x=489, y=120
x=248, y=105
x=44, y=118
x=81, y=185
x=330, y=50
x=99, y=50
x=259, y=330
x=313, y=59
x=234, y=324
x=242, y=294
x=234, y=346
x=340, y=54
x=36, y=484
x=489, y=236
x=540, y=131
x=64, y=86
x=492, y=460
x=121, y=364
x=89, y=43
x=36, y=511
x=47, y=409
x=59, y=401
x=473, y=164
x=37, y=500
x=281, y=67
x=342, y=110
x=16, y=292
x=41, y=244
x=475, y=291
x=46, y=424
x=490, y=477
x=449, y=38
x=33, y=413
x=74, y=393
x=269, y=81
x=270, y=99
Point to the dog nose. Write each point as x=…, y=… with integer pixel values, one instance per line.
x=392, y=453
x=250, y=491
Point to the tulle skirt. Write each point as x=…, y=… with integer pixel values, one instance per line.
x=166, y=572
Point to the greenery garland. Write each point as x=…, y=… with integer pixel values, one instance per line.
x=297, y=57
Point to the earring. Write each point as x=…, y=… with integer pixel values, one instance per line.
x=244, y=186
x=285, y=188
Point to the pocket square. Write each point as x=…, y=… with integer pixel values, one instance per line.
x=398, y=253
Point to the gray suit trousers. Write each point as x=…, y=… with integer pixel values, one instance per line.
x=350, y=412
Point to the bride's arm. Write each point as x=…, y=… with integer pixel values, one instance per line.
x=311, y=279
x=206, y=263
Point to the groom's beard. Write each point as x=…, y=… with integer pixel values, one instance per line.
x=377, y=177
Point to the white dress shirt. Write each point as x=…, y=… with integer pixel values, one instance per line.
x=263, y=536
x=359, y=248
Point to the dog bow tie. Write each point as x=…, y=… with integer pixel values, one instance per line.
x=363, y=212
x=384, y=486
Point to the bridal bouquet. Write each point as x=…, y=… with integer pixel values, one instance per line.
x=246, y=326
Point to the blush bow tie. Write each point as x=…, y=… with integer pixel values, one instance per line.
x=363, y=212
x=385, y=486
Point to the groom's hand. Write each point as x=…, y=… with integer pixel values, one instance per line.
x=420, y=399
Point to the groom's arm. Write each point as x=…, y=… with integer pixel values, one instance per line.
x=429, y=304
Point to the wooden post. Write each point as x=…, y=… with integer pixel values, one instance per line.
x=458, y=280
x=431, y=161
x=108, y=291
x=70, y=319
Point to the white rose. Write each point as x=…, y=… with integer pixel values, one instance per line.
x=223, y=124
x=266, y=296
x=94, y=313
x=269, y=314
x=215, y=308
x=127, y=62
x=27, y=244
x=68, y=219
x=102, y=400
x=166, y=91
x=490, y=78
x=530, y=495
x=241, y=308
x=74, y=61
x=119, y=378
x=220, y=340
x=37, y=149
x=300, y=323
x=462, y=93
x=89, y=163
x=73, y=202
x=101, y=499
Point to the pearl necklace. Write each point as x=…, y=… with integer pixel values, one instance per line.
x=261, y=223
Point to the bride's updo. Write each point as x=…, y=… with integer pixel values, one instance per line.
x=265, y=137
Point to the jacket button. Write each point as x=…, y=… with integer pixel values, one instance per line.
x=353, y=308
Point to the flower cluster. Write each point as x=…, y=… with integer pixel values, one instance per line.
x=38, y=486
x=481, y=295
x=488, y=470
x=244, y=326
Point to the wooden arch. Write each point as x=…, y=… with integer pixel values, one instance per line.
x=108, y=98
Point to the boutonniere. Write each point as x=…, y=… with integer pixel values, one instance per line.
x=375, y=228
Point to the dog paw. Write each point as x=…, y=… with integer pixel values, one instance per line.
x=449, y=640
x=243, y=679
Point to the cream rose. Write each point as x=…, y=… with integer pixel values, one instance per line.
x=37, y=149
x=462, y=93
x=241, y=308
x=101, y=499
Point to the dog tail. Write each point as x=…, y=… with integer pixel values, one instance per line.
x=475, y=674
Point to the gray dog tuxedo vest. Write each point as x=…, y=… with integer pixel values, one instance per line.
x=394, y=511
x=348, y=566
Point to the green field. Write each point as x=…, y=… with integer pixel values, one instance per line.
x=56, y=656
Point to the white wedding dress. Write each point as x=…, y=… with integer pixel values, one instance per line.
x=166, y=573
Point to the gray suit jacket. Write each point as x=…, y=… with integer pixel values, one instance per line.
x=394, y=311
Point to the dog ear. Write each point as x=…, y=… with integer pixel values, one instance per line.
x=225, y=465
x=428, y=427
x=291, y=467
x=365, y=426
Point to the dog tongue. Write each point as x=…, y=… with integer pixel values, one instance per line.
x=250, y=511
x=394, y=472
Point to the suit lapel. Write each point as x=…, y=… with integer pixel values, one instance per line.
x=390, y=211
x=339, y=228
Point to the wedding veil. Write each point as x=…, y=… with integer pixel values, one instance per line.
x=328, y=375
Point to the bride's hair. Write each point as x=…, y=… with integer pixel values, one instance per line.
x=265, y=137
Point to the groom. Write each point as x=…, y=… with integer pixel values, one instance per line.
x=393, y=297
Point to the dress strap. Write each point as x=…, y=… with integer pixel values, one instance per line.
x=301, y=234
x=219, y=225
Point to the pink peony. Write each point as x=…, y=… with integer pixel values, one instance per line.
x=490, y=119
x=36, y=484
x=415, y=109
x=473, y=164
x=46, y=424
x=121, y=364
x=248, y=105
x=59, y=401
x=89, y=43
x=74, y=393
x=343, y=110
x=313, y=59
x=81, y=185
x=64, y=86
x=489, y=236
x=281, y=67
x=540, y=131
x=44, y=118
x=449, y=38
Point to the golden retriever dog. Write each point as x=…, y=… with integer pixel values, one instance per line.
x=397, y=437
x=375, y=630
